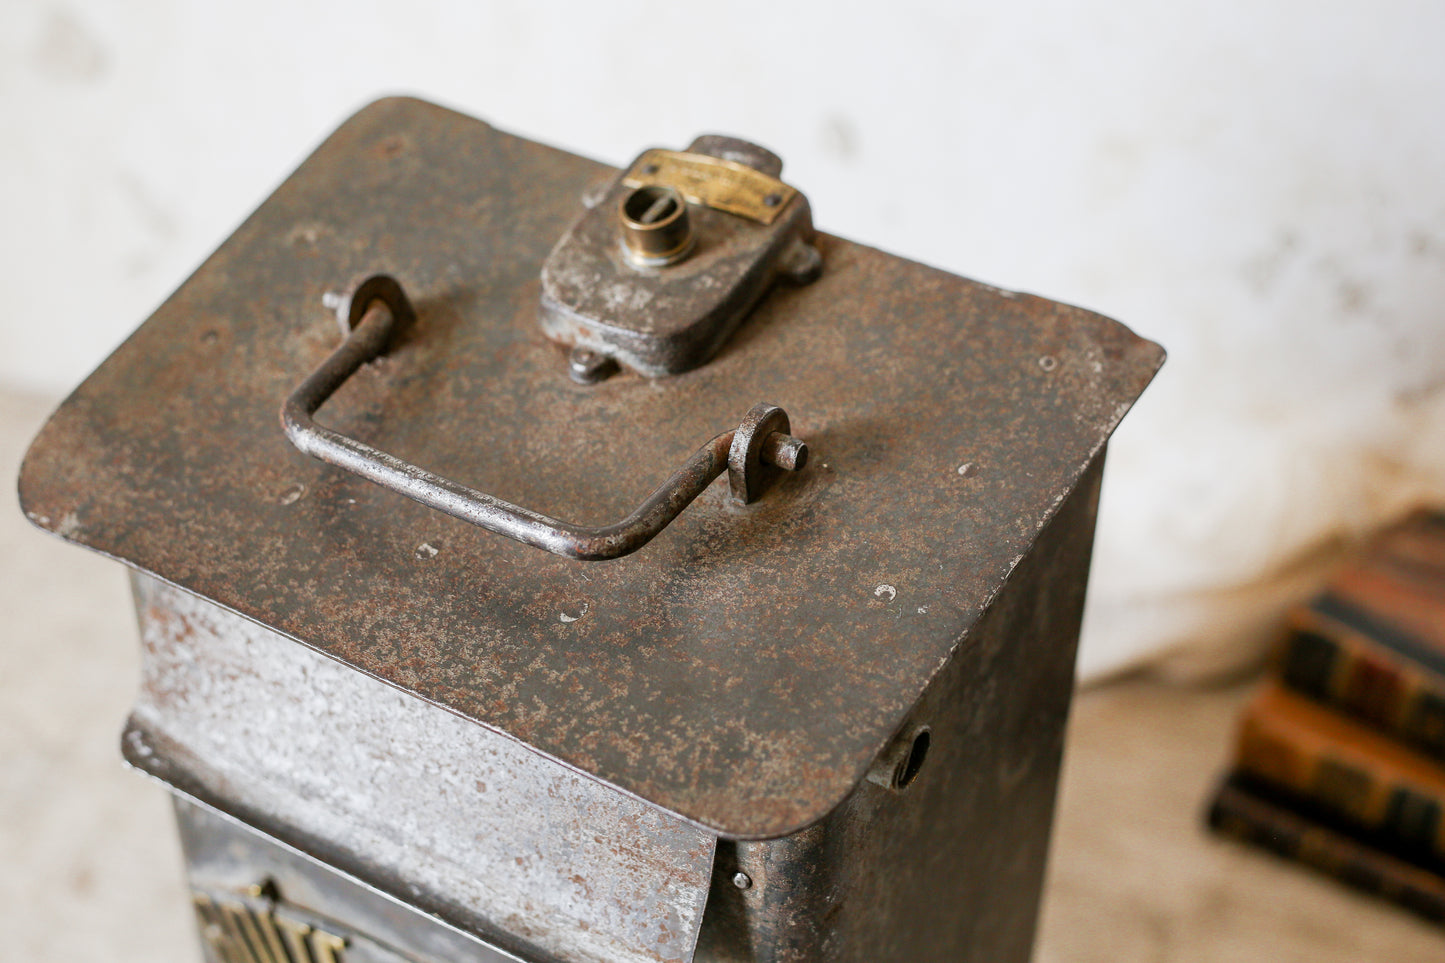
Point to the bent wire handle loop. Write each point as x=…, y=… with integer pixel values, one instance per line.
x=373, y=314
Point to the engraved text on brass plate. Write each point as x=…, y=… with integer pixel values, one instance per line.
x=712, y=182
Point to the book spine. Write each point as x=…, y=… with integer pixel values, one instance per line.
x=1344, y=784
x=1368, y=681
x=1244, y=815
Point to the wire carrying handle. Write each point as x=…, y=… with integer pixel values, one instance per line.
x=376, y=310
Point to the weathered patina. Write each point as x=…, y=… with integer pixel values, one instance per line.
x=742, y=672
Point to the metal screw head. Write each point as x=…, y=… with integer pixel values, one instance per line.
x=587, y=367
x=742, y=880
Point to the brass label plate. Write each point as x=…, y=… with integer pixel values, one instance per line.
x=723, y=185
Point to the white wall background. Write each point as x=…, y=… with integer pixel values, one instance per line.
x=1258, y=185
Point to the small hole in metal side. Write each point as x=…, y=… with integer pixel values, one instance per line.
x=917, y=753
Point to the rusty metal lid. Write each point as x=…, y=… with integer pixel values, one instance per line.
x=743, y=669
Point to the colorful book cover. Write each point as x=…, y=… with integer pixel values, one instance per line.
x=1240, y=810
x=1373, y=644
x=1346, y=768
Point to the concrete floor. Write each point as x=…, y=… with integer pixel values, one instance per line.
x=92, y=871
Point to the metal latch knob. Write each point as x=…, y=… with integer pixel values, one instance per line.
x=655, y=226
x=663, y=267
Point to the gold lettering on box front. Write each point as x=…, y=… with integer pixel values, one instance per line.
x=295, y=933
x=327, y=947
x=242, y=933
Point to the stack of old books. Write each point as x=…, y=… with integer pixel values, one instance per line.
x=1341, y=757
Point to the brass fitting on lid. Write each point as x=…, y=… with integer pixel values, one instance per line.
x=656, y=229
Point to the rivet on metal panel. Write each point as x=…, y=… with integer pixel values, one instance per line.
x=742, y=880
x=587, y=367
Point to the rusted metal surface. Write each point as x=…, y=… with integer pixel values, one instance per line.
x=664, y=301
x=950, y=868
x=434, y=810
x=752, y=455
x=744, y=669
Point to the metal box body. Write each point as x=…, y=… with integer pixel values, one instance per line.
x=495, y=750
x=457, y=821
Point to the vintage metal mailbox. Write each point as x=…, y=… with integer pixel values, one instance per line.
x=815, y=713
